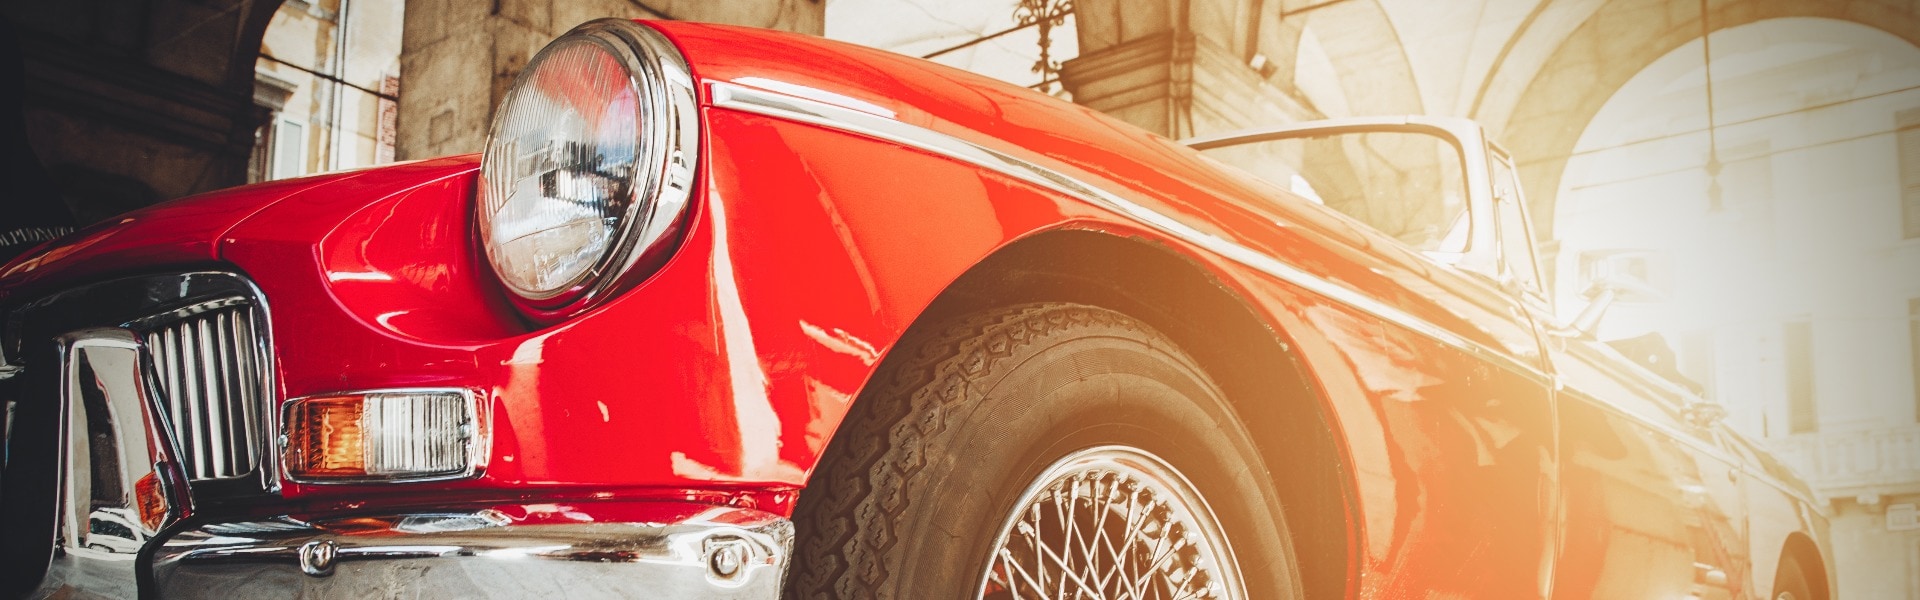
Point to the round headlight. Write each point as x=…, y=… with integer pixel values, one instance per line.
x=588, y=164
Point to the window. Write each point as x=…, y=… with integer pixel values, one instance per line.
x=1913, y=332
x=1903, y=517
x=1802, y=415
x=289, y=150
x=260, y=160
x=270, y=95
x=1907, y=139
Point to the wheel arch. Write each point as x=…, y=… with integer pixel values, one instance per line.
x=1182, y=299
x=1801, y=549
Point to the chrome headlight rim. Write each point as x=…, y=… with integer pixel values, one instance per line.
x=661, y=185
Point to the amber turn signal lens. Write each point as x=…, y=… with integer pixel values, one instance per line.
x=382, y=436
x=151, y=499
x=331, y=445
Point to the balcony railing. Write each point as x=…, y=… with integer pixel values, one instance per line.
x=1849, y=463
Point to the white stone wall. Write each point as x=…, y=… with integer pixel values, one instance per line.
x=460, y=56
x=306, y=34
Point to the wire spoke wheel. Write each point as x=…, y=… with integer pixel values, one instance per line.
x=1111, y=522
x=1046, y=450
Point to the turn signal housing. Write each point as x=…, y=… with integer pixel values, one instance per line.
x=384, y=435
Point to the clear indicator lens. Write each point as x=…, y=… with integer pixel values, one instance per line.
x=560, y=168
x=380, y=436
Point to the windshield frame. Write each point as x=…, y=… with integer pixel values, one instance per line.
x=1482, y=255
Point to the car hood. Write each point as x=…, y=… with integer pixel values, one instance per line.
x=191, y=231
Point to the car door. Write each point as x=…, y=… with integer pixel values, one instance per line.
x=1459, y=505
x=1654, y=507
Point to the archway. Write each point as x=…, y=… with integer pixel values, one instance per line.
x=153, y=97
x=1776, y=240
x=1185, y=67
x=1609, y=46
x=1779, y=220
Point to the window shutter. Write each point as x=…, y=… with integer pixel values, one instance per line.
x=1907, y=138
x=1802, y=415
x=1913, y=332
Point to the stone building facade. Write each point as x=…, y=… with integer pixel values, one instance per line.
x=460, y=56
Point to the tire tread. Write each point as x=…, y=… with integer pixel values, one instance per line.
x=882, y=445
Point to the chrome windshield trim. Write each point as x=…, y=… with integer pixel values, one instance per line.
x=791, y=107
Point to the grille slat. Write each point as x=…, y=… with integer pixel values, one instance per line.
x=212, y=413
x=243, y=353
x=208, y=364
x=193, y=438
x=248, y=399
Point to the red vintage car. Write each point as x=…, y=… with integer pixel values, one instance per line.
x=725, y=313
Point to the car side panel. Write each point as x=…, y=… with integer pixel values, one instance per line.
x=1453, y=457
x=1154, y=172
x=810, y=253
x=1776, y=511
x=1653, y=507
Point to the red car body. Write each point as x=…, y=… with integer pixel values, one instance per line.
x=1436, y=439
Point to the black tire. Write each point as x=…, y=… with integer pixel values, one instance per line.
x=909, y=498
x=1790, y=583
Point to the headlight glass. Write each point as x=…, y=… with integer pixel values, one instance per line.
x=587, y=164
x=564, y=169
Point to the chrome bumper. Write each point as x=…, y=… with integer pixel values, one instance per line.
x=657, y=550
x=111, y=516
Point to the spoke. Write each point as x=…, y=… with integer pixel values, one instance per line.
x=1154, y=557
x=1126, y=527
x=1066, y=571
x=1012, y=566
x=1064, y=510
x=1104, y=508
x=1120, y=553
x=1033, y=537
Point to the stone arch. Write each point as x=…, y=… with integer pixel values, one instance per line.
x=1182, y=67
x=1617, y=41
x=1364, y=50
x=157, y=94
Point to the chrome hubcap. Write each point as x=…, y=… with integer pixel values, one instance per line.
x=1111, y=522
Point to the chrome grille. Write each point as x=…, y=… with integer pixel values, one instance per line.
x=209, y=362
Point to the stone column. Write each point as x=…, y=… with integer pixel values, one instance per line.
x=459, y=56
x=1178, y=85
x=1177, y=67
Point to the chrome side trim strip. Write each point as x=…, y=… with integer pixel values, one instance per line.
x=1703, y=448
x=812, y=111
